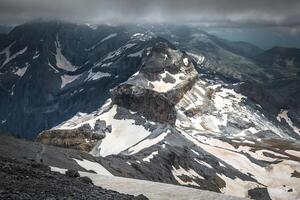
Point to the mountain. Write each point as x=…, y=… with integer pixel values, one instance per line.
x=169, y=104
x=201, y=132
x=269, y=78
x=51, y=71
x=4, y=29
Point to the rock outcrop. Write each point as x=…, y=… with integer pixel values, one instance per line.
x=83, y=138
x=165, y=75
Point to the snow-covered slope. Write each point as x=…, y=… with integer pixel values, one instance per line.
x=153, y=190
x=220, y=140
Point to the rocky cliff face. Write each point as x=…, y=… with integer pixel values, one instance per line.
x=164, y=76
x=83, y=138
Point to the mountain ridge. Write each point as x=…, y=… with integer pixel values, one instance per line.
x=185, y=110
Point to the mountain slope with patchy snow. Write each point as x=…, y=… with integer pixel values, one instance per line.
x=220, y=140
x=197, y=111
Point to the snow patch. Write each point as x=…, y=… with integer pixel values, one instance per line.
x=61, y=61
x=52, y=67
x=36, y=55
x=141, y=37
x=148, y=143
x=107, y=64
x=124, y=134
x=284, y=115
x=195, y=152
x=96, y=167
x=183, y=172
x=66, y=79
x=162, y=86
x=8, y=55
x=59, y=170
x=109, y=37
x=236, y=186
x=293, y=152
x=136, y=54
x=273, y=176
x=199, y=58
x=186, y=61
x=21, y=71
x=201, y=162
x=118, y=52
x=148, y=158
x=97, y=75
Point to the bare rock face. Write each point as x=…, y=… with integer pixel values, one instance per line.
x=83, y=138
x=165, y=75
x=154, y=106
x=74, y=139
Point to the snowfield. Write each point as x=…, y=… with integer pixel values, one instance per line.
x=61, y=61
x=154, y=190
x=66, y=79
x=124, y=134
x=96, y=167
x=162, y=86
x=190, y=173
x=220, y=106
x=147, y=143
x=273, y=176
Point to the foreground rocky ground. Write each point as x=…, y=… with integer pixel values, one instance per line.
x=24, y=174
x=31, y=180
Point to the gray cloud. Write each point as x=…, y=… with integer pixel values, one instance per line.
x=284, y=14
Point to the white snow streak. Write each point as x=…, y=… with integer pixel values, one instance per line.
x=284, y=115
x=61, y=61
x=182, y=172
x=148, y=143
x=186, y=61
x=109, y=37
x=96, y=167
x=148, y=158
x=8, y=56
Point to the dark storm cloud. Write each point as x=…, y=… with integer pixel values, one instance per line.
x=281, y=13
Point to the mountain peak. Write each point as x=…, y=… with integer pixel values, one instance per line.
x=165, y=75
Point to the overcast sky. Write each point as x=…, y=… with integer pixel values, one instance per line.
x=283, y=15
x=271, y=12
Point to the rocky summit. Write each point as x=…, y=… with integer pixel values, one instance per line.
x=169, y=104
x=164, y=76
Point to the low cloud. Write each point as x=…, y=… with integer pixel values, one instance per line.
x=277, y=13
